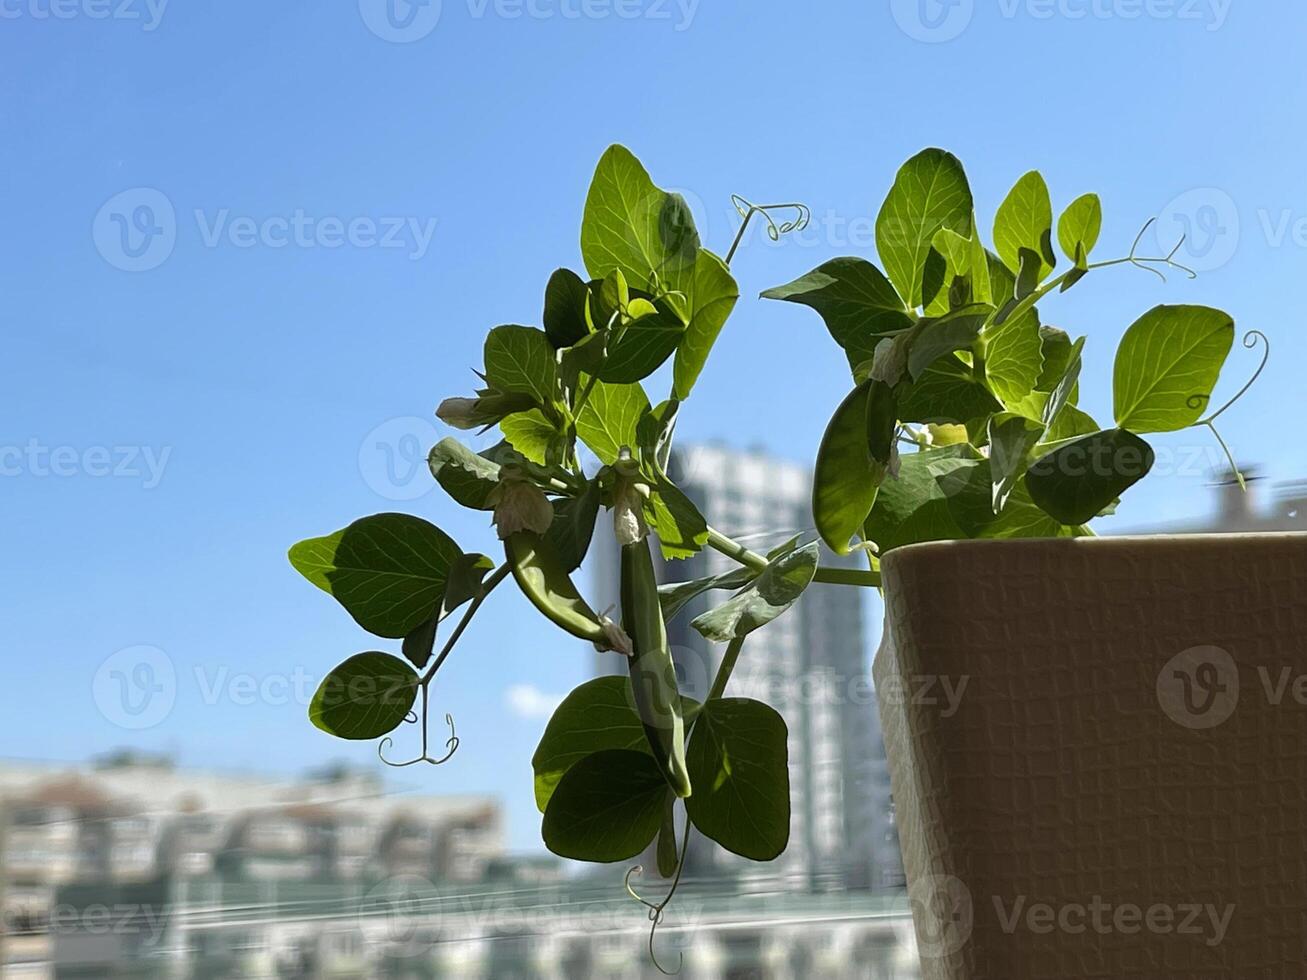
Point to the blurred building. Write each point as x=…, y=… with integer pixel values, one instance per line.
x=811, y=665
x=1249, y=509
x=130, y=868
x=135, y=826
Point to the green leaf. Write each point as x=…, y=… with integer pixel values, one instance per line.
x=521, y=360
x=1025, y=220
x=768, y=596
x=1076, y=481
x=947, y=392
x=675, y=595
x=531, y=434
x=565, y=303
x=1167, y=365
x=965, y=259
x=389, y=571
x=1011, y=438
x=573, y=526
x=367, y=696
x=1070, y=423
x=1055, y=346
x=968, y=490
x=681, y=529
x=934, y=337
x=1014, y=358
x=930, y=192
x=465, y=577
x=598, y=715
x=915, y=507
x=607, y=807
x=421, y=643
x=853, y=297
x=1064, y=391
x=642, y=347
x=654, y=433
x=845, y=477
x=882, y=423
x=633, y=226
x=609, y=419
x=739, y=765
x=710, y=295
x=1079, y=227
x=464, y=475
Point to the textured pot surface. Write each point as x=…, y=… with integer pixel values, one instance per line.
x=1098, y=751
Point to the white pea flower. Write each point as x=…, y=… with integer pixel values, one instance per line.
x=520, y=506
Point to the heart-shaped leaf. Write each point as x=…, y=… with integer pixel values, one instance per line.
x=930, y=192
x=389, y=571
x=606, y=807
x=1079, y=479
x=1167, y=365
x=367, y=696
x=739, y=764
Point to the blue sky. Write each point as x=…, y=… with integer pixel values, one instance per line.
x=354, y=203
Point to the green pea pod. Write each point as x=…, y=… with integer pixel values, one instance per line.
x=653, y=674
x=543, y=578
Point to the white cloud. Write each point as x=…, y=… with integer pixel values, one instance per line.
x=528, y=701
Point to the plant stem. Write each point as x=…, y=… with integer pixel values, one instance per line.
x=731, y=655
x=497, y=576
x=847, y=576
x=751, y=559
x=733, y=549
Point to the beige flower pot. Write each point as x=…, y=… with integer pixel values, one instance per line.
x=1098, y=752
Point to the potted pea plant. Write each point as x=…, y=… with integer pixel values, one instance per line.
x=961, y=424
